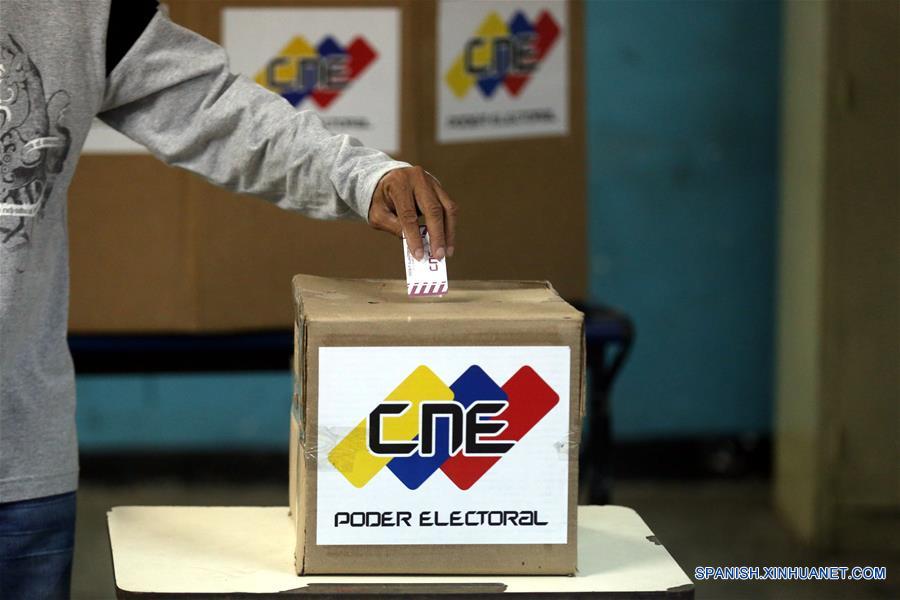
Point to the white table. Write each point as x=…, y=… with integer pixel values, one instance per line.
x=239, y=552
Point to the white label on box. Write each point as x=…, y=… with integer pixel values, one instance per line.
x=427, y=277
x=503, y=69
x=344, y=63
x=443, y=445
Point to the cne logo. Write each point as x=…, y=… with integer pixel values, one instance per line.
x=320, y=73
x=424, y=426
x=502, y=53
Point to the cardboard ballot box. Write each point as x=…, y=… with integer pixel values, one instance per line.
x=435, y=435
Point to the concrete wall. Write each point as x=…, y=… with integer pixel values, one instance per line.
x=800, y=338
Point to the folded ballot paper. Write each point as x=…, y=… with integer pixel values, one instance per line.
x=426, y=277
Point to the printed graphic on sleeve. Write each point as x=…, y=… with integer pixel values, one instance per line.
x=33, y=143
x=320, y=72
x=423, y=426
x=502, y=53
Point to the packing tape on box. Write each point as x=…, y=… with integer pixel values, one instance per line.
x=297, y=415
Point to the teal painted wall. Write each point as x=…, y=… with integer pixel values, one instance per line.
x=196, y=411
x=682, y=116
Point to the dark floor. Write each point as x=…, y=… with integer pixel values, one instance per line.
x=701, y=523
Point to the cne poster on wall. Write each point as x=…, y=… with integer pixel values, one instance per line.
x=343, y=63
x=503, y=69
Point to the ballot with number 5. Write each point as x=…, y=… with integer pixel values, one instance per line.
x=426, y=277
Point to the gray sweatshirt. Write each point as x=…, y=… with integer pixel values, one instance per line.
x=171, y=92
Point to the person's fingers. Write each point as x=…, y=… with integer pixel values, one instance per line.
x=406, y=195
x=401, y=196
x=450, y=215
x=432, y=210
x=383, y=219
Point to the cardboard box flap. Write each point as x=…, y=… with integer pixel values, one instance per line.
x=329, y=299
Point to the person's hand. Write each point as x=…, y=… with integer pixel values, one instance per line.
x=400, y=196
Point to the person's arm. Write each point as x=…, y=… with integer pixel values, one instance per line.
x=173, y=92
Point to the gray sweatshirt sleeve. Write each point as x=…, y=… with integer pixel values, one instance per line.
x=173, y=93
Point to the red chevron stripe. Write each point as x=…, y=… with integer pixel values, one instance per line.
x=530, y=399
